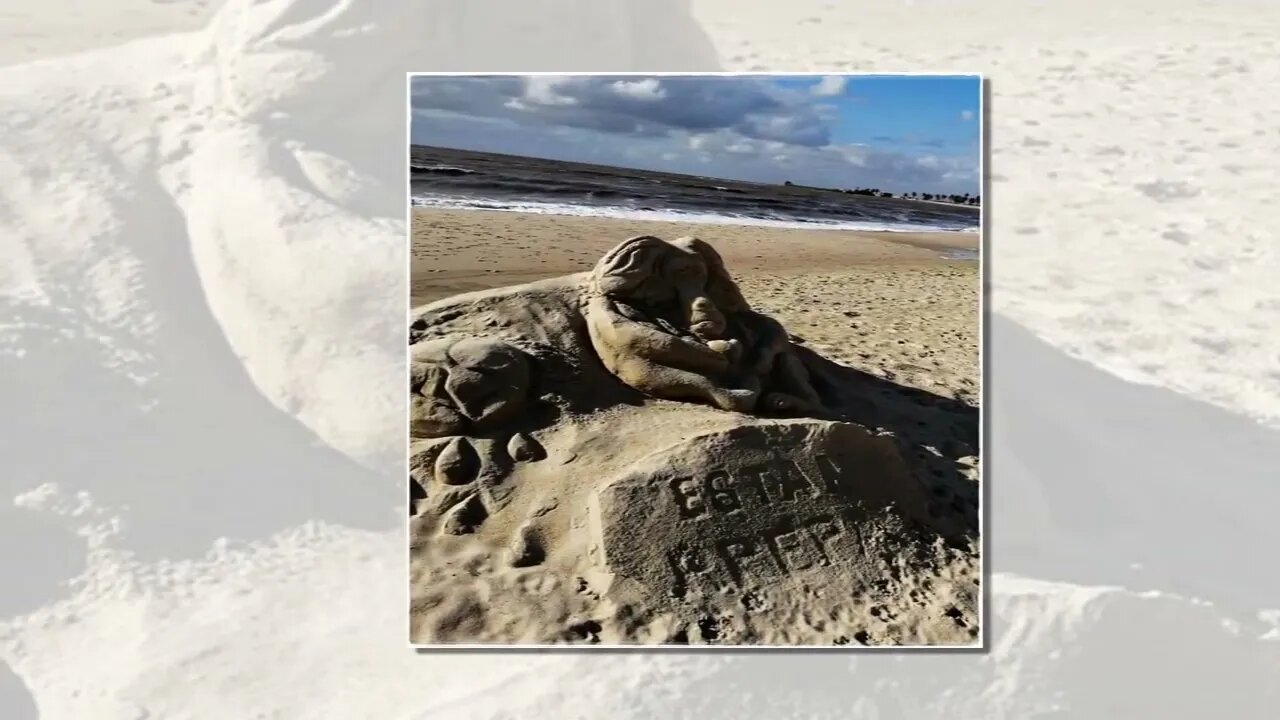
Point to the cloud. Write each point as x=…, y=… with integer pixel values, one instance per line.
x=655, y=105
x=793, y=129
x=966, y=115
x=545, y=90
x=830, y=86
x=835, y=165
x=647, y=89
x=749, y=129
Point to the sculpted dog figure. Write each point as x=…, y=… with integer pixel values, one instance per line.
x=668, y=320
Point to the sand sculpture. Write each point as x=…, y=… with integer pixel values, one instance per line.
x=634, y=455
x=667, y=320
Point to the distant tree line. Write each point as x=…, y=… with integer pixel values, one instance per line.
x=960, y=199
x=965, y=199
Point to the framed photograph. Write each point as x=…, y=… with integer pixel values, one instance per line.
x=695, y=360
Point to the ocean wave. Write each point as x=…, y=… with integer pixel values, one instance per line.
x=673, y=215
x=440, y=170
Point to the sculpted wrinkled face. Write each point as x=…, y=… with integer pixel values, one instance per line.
x=720, y=288
x=686, y=271
x=686, y=276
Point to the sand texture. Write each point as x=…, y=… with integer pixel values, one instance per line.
x=640, y=452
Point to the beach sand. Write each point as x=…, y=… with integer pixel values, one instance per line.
x=887, y=303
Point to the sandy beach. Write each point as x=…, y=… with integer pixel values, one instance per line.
x=887, y=303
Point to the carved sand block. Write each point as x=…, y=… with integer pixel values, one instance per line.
x=756, y=506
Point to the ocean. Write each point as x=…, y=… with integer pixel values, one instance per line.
x=447, y=178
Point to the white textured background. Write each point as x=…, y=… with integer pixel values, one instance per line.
x=201, y=357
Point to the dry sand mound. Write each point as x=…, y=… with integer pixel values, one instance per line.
x=633, y=455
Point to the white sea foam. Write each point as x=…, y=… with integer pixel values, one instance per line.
x=442, y=168
x=700, y=218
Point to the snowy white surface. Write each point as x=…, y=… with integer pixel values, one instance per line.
x=201, y=305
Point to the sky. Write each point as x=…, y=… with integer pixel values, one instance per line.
x=896, y=133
